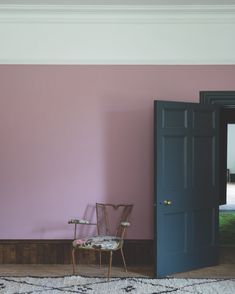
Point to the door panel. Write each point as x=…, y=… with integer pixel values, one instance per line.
x=202, y=221
x=203, y=161
x=174, y=118
x=172, y=222
x=203, y=119
x=186, y=186
x=174, y=176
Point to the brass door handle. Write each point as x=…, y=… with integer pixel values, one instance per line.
x=167, y=202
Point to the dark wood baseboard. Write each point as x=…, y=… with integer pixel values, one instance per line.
x=59, y=252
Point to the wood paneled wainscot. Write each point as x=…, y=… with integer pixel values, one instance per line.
x=59, y=252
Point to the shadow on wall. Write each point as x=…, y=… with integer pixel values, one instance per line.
x=82, y=230
x=129, y=164
x=128, y=168
x=86, y=230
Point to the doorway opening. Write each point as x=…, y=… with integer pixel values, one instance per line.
x=227, y=211
x=226, y=99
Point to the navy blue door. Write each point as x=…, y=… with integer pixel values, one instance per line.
x=186, y=186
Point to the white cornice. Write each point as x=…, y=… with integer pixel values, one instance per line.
x=117, y=34
x=117, y=13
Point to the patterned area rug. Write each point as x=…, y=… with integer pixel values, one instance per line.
x=84, y=285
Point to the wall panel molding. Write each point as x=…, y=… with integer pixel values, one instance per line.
x=117, y=34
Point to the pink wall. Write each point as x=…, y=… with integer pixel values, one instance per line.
x=75, y=135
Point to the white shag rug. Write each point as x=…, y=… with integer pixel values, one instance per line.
x=85, y=285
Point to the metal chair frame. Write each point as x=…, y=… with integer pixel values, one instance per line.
x=104, y=224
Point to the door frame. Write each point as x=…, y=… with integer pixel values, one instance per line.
x=227, y=115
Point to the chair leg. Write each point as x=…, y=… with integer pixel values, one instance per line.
x=110, y=263
x=100, y=257
x=123, y=259
x=73, y=260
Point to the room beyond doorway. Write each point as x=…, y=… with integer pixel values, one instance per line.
x=227, y=211
x=230, y=203
x=226, y=100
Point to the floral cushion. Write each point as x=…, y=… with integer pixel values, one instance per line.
x=98, y=242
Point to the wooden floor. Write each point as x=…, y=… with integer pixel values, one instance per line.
x=226, y=269
x=65, y=270
x=220, y=271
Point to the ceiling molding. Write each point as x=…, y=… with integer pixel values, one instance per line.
x=98, y=61
x=136, y=34
x=117, y=13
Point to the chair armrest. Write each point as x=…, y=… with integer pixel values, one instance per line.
x=125, y=224
x=76, y=222
x=80, y=222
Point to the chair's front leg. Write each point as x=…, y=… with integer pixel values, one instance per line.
x=73, y=260
x=123, y=259
x=100, y=257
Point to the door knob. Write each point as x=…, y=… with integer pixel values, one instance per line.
x=167, y=202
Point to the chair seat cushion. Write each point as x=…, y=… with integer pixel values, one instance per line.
x=98, y=242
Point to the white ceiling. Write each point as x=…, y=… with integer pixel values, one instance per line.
x=118, y=2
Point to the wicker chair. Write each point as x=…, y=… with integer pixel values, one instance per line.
x=112, y=222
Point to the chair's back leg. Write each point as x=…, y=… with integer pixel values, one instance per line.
x=110, y=263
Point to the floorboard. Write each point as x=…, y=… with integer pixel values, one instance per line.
x=64, y=270
x=220, y=271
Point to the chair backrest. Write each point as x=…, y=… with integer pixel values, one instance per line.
x=110, y=216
